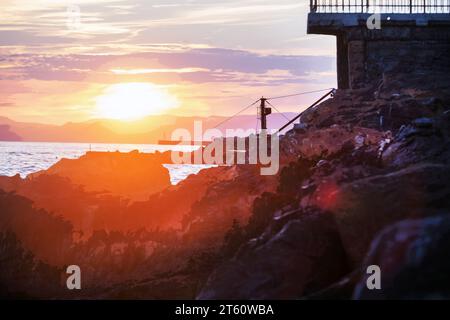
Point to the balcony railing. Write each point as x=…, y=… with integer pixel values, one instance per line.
x=381, y=6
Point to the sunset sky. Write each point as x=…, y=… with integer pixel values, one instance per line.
x=126, y=59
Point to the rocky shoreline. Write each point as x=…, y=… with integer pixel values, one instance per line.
x=364, y=180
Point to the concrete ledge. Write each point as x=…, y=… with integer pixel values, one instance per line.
x=339, y=20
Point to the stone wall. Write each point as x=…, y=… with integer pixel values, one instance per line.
x=356, y=63
x=427, y=60
x=372, y=59
x=417, y=47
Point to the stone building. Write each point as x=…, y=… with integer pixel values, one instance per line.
x=378, y=39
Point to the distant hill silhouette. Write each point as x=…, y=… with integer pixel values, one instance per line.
x=7, y=135
x=147, y=130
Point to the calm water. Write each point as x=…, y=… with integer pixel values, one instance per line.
x=28, y=157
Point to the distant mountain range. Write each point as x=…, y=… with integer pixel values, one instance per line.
x=147, y=130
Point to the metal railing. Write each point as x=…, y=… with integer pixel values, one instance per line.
x=381, y=6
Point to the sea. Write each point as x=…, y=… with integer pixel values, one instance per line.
x=24, y=158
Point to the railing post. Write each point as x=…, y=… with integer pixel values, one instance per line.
x=389, y=6
x=313, y=5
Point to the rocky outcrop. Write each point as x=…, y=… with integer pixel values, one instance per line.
x=359, y=163
x=10, y=183
x=289, y=263
x=23, y=276
x=312, y=144
x=423, y=140
x=45, y=235
x=369, y=187
x=382, y=110
x=413, y=259
x=365, y=180
x=131, y=175
x=226, y=200
x=365, y=206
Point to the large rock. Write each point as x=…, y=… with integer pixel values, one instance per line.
x=364, y=207
x=414, y=259
x=371, y=186
x=131, y=175
x=204, y=205
x=304, y=256
x=313, y=143
x=414, y=183
x=425, y=139
x=10, y=183
x=227, y=199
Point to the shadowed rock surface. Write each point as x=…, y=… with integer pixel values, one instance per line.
x=289, y=263
x=414, y=260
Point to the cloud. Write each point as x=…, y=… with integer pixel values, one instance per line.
x=247, y=24
x=149, y=71
x=192, y=66
x=213, y=54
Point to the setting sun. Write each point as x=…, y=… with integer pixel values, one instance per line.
x=130, y=101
